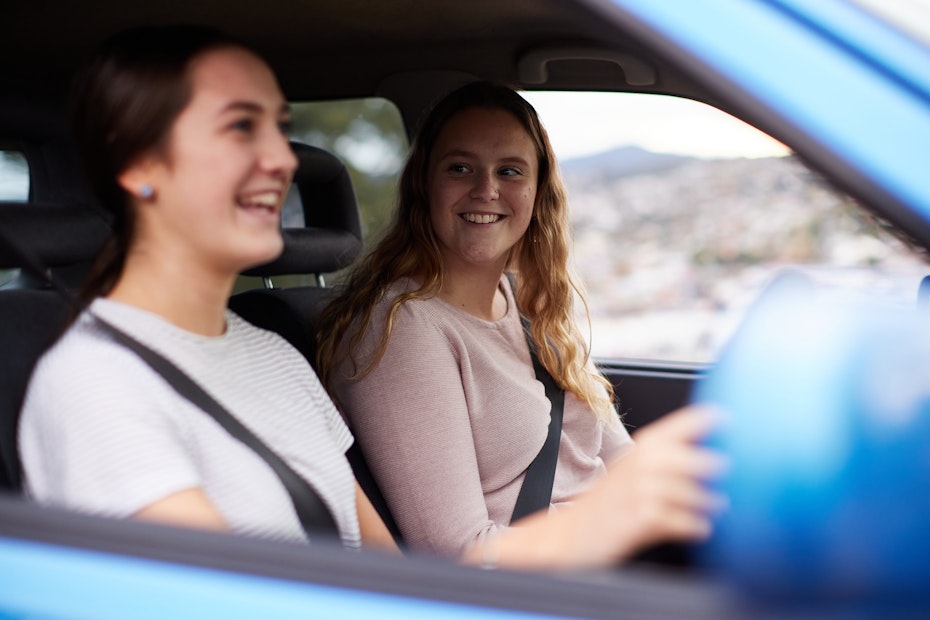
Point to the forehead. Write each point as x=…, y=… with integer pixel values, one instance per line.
x=231, y=73
x=481, y=130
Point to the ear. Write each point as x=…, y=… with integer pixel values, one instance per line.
x=137, y=177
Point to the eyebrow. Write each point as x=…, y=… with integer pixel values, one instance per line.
x=464, y=153
x=251, y=106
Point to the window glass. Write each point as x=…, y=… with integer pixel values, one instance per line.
x=682, y=214
x=368, y=136
x=14, y=176
x=14, y=185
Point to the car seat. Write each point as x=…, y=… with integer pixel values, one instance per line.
x=330, y=240
x=32, y=315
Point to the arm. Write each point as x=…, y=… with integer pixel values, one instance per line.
x=190, y=508
x=374, y=533
x=654, y=493
x=92, y=440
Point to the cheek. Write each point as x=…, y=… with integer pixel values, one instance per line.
x=528, y=197
x=442, y=200
x=442, y=194
x=435, y=210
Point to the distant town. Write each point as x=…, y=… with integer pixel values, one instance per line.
x=672, y=249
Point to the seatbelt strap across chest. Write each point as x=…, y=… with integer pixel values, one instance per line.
x=313, y=514
x=536, y=492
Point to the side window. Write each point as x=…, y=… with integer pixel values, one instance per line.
x=14, y=185
x=682, y=214
x=14, y=175
x=368, y=136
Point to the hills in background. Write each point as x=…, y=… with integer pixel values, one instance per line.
x=665, y=240
x=621, y=162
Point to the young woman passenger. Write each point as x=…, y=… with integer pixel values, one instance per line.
x=183, y=134
x=426, y=353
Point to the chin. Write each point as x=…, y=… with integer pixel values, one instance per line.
x=264, y=255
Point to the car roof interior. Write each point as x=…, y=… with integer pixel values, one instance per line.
x=407, y=50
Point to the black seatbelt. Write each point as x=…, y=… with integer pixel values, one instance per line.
x=314, y=515
x=536, y=492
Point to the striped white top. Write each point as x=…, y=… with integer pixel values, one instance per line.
x=102, y=433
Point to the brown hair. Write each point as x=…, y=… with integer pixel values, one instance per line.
x=124, y=103
x=545, y=292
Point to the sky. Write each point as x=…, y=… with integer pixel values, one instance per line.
x=587, y=123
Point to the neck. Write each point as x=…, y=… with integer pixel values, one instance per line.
x=191, y=296
x=476, y=291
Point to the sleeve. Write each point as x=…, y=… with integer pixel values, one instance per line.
x=101, y=433
x=616, y=440
x=338, y=429
x=410, y=415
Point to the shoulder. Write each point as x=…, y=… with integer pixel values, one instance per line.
x=416, y=320
x=85, y=354
x=244, y=334
x=86, y=381
x=419, y=311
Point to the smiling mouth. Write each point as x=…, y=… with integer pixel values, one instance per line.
x=482, y=218
x=267, y=201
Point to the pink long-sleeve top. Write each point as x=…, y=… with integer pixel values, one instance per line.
x=451, y=417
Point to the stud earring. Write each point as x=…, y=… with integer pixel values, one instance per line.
x=146, y=191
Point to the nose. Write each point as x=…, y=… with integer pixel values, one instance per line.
x=485, y=187
x=278, y=158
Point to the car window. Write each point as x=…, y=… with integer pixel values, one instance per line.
x=14, y=175
x=682, y=214
x=368, y=136
x=14, y=185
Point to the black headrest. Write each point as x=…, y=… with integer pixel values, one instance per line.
x=332, y=236
x=55, y=234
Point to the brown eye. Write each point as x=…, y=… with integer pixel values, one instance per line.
x=243, y=125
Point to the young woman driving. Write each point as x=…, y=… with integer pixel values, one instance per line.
x=426, y=354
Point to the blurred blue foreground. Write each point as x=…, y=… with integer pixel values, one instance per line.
x=828, y=429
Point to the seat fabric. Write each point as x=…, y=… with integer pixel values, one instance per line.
x=56, y=236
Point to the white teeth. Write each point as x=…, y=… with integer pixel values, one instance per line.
x=267, y=200
x=478, y=218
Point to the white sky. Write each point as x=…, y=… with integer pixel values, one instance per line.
x=586, y=123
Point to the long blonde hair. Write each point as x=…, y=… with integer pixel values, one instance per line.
x=545, y=292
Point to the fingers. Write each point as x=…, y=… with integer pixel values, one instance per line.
x=685, y=494
x=681, y=459
x=684, y=526
x=666, y=478
x=671, y=504
x=689, y=424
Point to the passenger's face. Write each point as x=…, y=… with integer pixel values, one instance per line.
x=220, y=187
x=482, y=187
